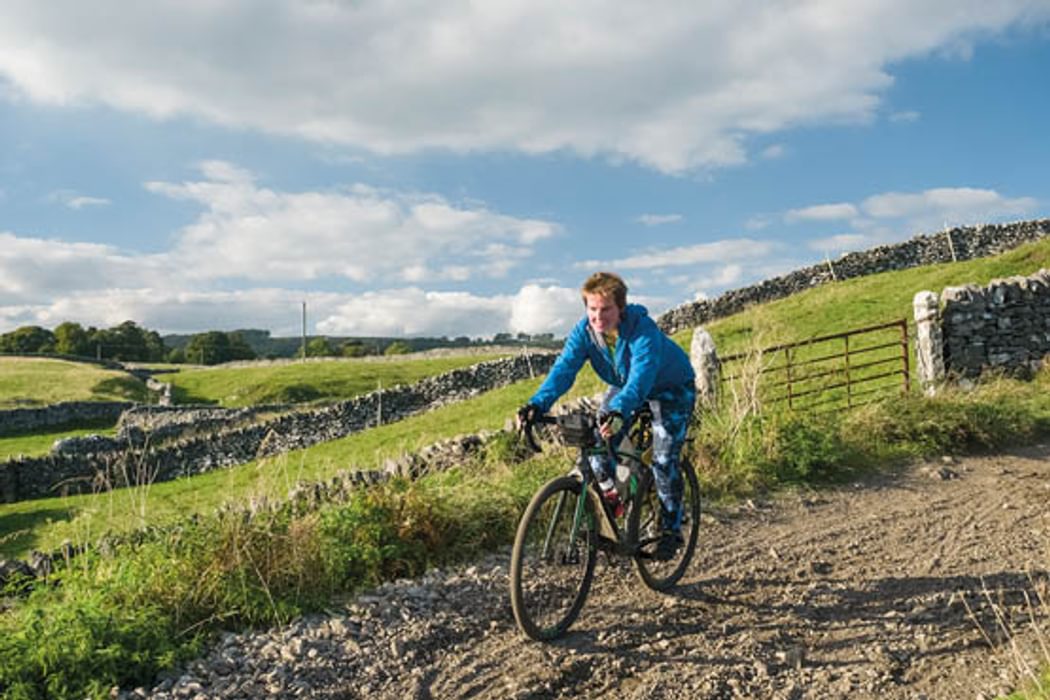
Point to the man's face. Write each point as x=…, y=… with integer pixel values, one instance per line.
x=602, y=312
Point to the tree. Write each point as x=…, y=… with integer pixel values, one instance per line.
x=239, y=347
x=398, y=347
x=353, y=348
x=209, y=348
x=72, y=339
x=319, y=347
x=129, y=342
x=28, y=339
x=216, y=347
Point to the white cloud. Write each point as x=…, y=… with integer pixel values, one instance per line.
x=361, y=234
x=893, y=216
x=717, y=251
x=413, y=311
x=659, y=219
x=842, y=242
x=74, y=200
x=550, y=309
x=280, y=239
x=33, y=270
x=537, y=76
x=951, y=204
x=822, y=212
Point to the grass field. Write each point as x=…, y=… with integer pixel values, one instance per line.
x=39, y=442
x=303, y=382
x=29, y=382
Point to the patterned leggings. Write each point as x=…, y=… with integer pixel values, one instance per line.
x=672, y=410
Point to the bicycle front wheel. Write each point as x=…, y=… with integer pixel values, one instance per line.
x=552, y=563
x=644, y=527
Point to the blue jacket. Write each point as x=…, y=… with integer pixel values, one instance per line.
x=647, y=363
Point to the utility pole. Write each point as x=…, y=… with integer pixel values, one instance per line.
x=304, y=331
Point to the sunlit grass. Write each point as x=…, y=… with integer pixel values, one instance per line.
x=302, y=382
x=30, y=382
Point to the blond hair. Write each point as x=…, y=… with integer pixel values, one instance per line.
x=605, y=284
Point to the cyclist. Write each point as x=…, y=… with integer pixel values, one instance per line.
x=640, y=364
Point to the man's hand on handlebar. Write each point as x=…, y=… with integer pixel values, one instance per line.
x=609, y=424
x=526, y=416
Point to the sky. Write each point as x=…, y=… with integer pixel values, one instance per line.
x=449, y=168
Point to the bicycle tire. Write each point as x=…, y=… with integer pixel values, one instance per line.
x=550, y=573
x=643, y=527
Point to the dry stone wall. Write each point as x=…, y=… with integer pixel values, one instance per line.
x=20, y=420
x=953, y=244
x=63, y=471
x=1003, y=326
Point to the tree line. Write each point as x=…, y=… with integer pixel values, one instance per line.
x=125, y=342
x=129, y=342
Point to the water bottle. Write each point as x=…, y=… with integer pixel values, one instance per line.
x=612, y=496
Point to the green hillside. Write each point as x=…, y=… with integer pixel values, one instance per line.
x=29, y=382
x=863, y=301
x=303, y=382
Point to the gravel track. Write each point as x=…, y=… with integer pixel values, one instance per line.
x=929, y=583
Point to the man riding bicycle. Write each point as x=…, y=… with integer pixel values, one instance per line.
x=640, y=364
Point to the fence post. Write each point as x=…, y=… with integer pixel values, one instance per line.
x=704, y=358
x=929, y=341
x=849, y=385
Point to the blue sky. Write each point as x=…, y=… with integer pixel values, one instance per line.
x=456, y=168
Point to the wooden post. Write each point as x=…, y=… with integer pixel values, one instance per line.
x=787, y=369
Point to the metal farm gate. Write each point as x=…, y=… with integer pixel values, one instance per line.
x=831, y=372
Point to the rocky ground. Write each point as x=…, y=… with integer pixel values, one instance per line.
x=932, y=583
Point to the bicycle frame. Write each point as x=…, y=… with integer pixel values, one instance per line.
x=610, y=537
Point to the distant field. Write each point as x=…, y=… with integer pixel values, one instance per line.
x=30, y=382
x=302, y=382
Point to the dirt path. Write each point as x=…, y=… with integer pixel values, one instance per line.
x=870, y=590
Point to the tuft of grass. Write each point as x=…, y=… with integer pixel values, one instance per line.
x=741, y=449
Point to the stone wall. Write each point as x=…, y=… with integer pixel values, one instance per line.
x=967, y=242
x=65, y=471
x=20, y=420
x=1003, y=326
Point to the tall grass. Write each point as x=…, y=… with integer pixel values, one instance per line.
x=117, y=619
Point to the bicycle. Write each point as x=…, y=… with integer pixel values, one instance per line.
x=567, y=523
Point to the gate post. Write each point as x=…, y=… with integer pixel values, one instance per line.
x=704, y=358
x=929, y=341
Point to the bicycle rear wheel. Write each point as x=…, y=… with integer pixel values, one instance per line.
x=552, y=563
x=644, y=527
